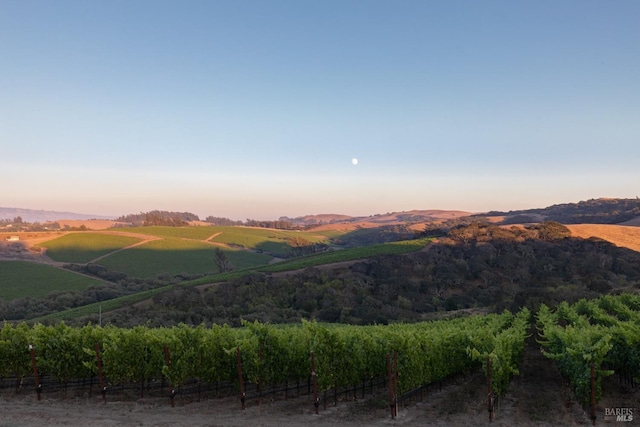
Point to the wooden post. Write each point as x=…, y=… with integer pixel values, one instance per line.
x=390, y=383
x=103, y=389
x=260, y=362
x=593, y=394
x=316, y=401
x=35, y=370
x=395, y=382
x=489, y=391
x=167, y=361
x=240, y=379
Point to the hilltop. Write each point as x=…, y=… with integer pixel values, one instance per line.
x=593, y=211
x=624, y=236
x=377, y=220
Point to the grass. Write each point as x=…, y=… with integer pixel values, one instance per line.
x=262, y=240
x=22, y=279
x=176, y=256
x=329, y=233
x=619, y=235
x=193, y=233
x=84, y=247
x=404, y=246
x=247, y=237
x=265, y=240
x=179, y=250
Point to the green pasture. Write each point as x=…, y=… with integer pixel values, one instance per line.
x=28, y=279
x=194, y=233
x=176, y=256
x=83, y=247
x=261, y=239
x=264, y=240
x=392, y=248
x=330, y=234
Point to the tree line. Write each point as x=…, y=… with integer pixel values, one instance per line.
x=179, y=219
x=156, y=218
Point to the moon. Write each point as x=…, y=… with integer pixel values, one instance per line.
x=354, y=161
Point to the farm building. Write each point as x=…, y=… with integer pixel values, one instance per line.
x=13, y=238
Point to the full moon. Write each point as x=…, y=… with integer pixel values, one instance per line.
x=354, y=161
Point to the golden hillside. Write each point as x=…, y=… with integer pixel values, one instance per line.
x=620, y=235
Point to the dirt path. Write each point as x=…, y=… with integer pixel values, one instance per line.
x=461, y=402
x=539, y=395
x=213, y=236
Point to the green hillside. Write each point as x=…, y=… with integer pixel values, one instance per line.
x=131, y=265
x=244, y=237
x=193, y=233
x=177, y=250
x=177, y=256
x=21, y=278
x=85, y=246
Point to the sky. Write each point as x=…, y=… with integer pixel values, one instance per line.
x=256, y=108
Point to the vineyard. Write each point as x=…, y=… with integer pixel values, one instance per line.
x=407, y=356
x=590, y=340
x=329, y=363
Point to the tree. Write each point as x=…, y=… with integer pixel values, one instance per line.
x=552, y=230
x=221, y=260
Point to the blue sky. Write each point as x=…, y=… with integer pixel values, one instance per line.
x=255, y=109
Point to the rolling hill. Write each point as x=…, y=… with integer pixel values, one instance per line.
x=594, y=211
x=624, y=236
x=345, y=222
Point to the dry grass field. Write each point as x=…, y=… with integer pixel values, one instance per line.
x=620, y=235
x=394, y=218
x=91, y=224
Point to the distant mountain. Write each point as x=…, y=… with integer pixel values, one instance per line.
x=33, y=215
